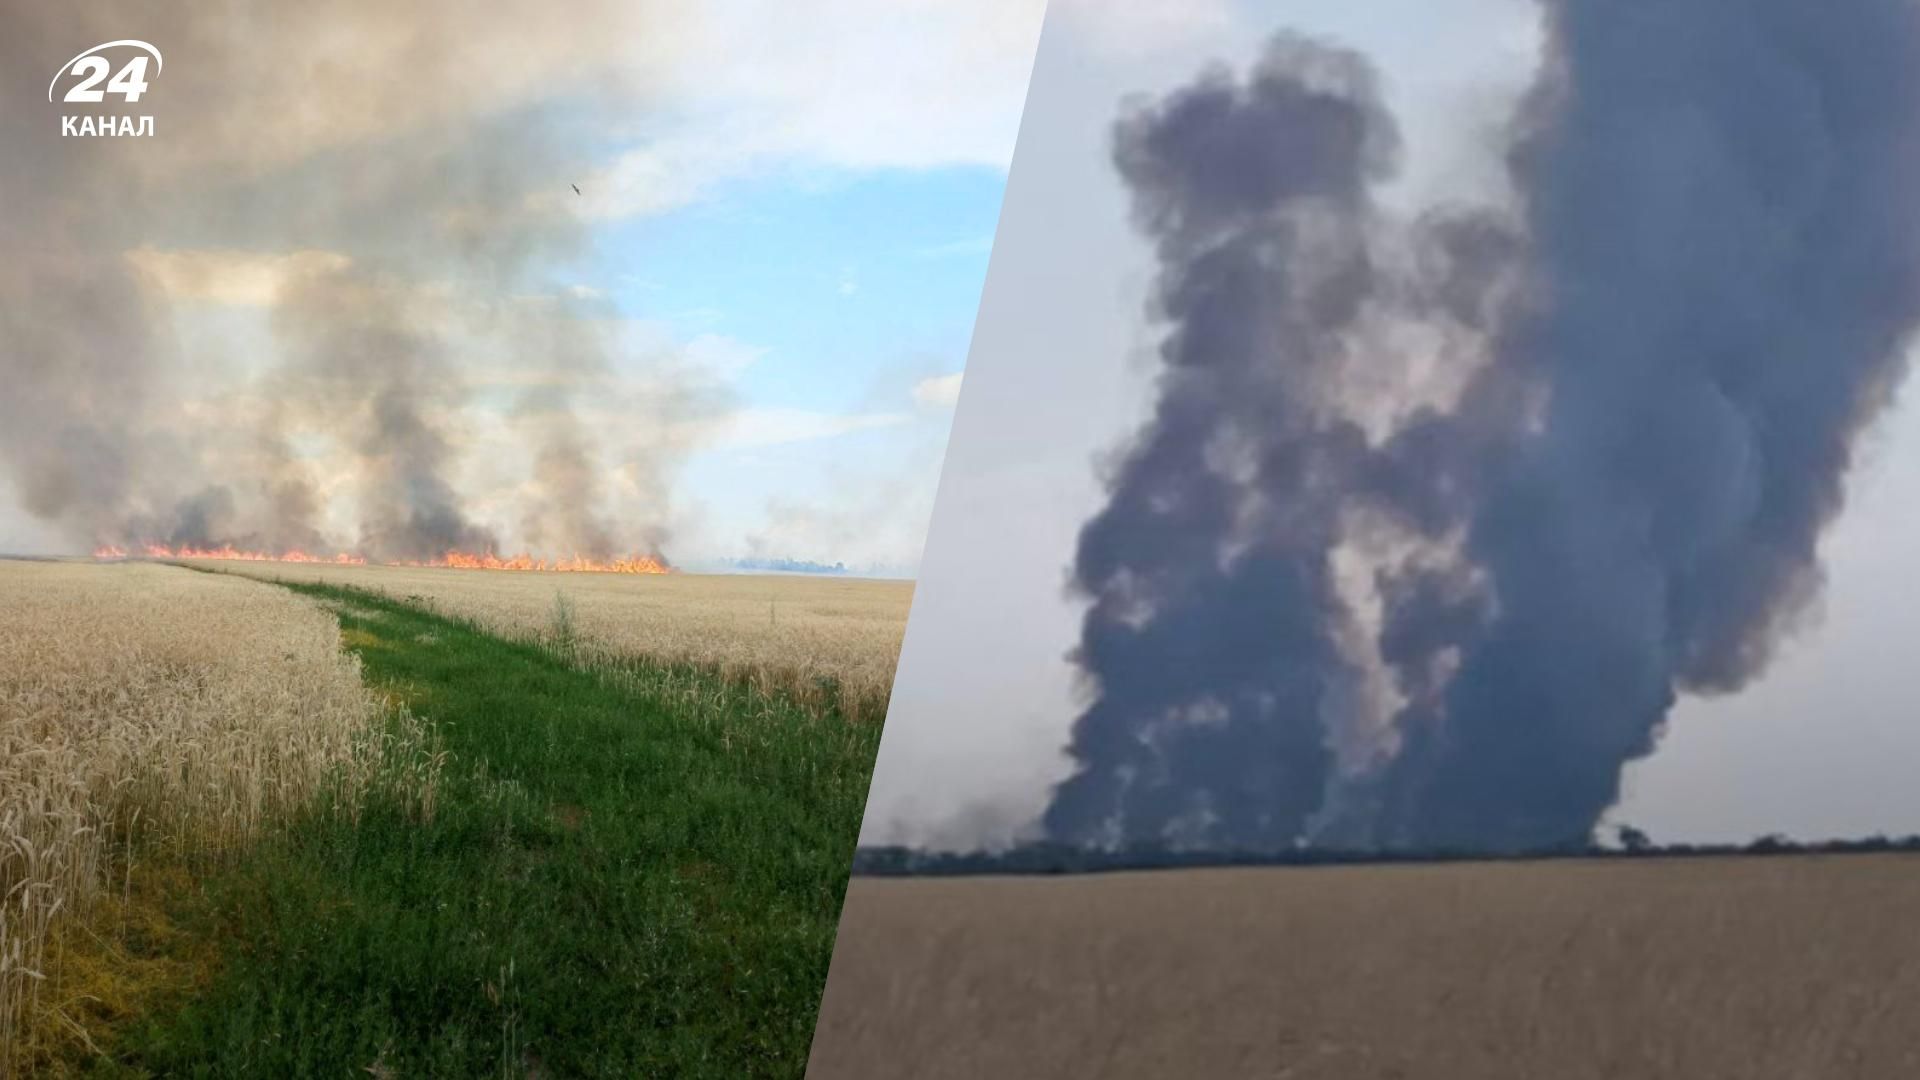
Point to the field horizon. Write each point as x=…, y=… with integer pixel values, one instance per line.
x=829, y=642
x=1682, y=968
x=1048, y=860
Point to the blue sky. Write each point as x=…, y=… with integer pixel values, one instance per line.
x=850, y=290
x=841, y=279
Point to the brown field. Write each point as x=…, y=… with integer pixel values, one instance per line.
x=790, y=633
x=1752, y=968
x=147, y=710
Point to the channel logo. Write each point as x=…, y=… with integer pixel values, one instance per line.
x=85, y=75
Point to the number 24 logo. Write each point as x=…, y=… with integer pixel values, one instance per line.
x=129, y=82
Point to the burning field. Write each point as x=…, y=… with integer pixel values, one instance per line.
x=383, y=421
x=452, y=560
x=274, y=824
x=370, y=344
x=1669, y=969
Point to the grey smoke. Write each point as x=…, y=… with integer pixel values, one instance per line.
x=564, y=514
x=365, y=367
x=331, y=131
x=1653, y=367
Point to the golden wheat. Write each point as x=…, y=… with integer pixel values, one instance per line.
x=825, y=639
x=148, y=709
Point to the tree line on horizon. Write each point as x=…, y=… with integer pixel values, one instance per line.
x=1055, y=858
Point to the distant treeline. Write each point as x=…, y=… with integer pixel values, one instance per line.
x=787, y=566
x=1061, y=859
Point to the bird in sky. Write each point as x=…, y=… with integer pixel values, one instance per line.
x=575, y=187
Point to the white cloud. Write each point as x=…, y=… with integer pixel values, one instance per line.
x=723, y=356
x=1140, y=27
x=665, y=174
x=854, y=84
x=942, y=391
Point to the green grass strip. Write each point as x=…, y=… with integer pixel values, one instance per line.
x=628, y=874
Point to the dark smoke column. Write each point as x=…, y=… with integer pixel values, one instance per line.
x=1209, y=641
x=1721, y=205
x=1712, y=276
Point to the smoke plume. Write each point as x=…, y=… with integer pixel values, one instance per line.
x=275, y=306
x=1434, y=518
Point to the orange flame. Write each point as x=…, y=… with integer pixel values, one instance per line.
x=228, y=551
x=638, y=564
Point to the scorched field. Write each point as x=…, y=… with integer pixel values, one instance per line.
x=461, y=823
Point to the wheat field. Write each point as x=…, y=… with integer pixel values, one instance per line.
x=824, y=639
x=1778, y=968
x=149, y=711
